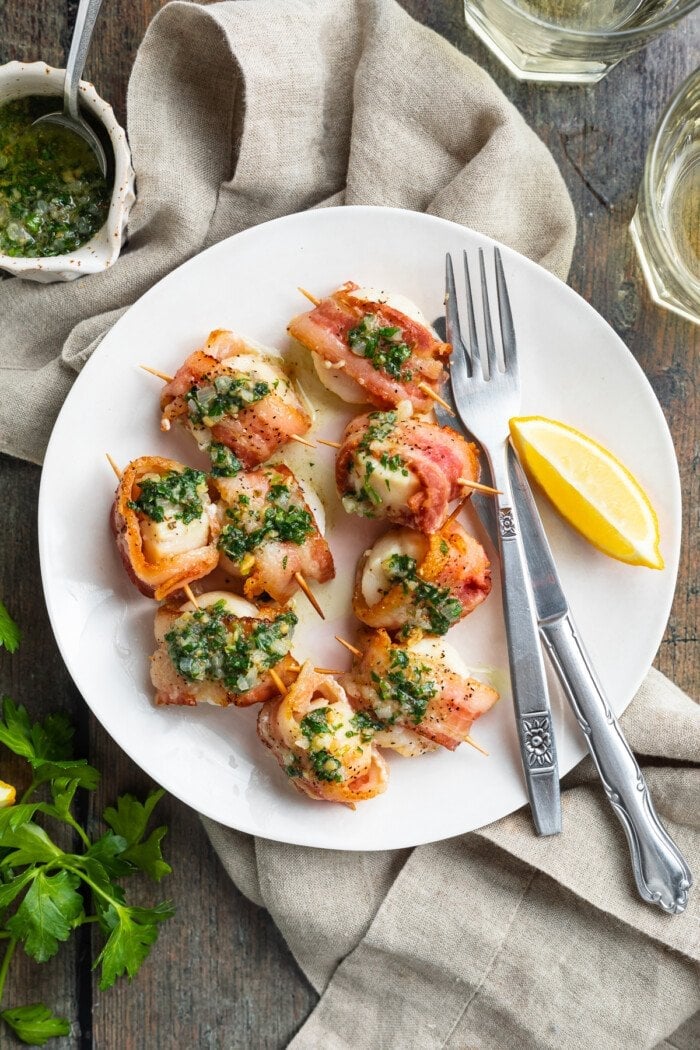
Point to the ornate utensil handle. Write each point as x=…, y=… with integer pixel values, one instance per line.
x=660, y=871
x=527, y=673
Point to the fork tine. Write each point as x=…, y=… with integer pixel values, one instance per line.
x=490, y=345
x=510, y=359
x=476, y=365
x=454, y=331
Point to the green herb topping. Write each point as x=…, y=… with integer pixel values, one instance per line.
x=225, y=395
x=280, y=519
x=224, y=464
x=435, y=607
x=212, y=645
x=53, y=197
x=315, y=726
x=175, y=496
x=383, y=346
x=381, y=425
x=405, y=691
x=57, y=876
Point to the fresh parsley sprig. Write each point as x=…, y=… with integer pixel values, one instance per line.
x=45, y=890
x=10, y=634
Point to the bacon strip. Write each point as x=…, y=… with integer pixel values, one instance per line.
x=325, y=330
x=173, y=689
x=437, y=456
x=159, y=579
x=275, y=561
x=454, y=561
x=255, y=432
x=449, y=714
x=361, y=771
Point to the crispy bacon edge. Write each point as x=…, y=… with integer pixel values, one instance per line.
x=324, y=330
x=438, y=456
x=254, y=433
x=449, y=715
x=278, y=728
x=155, y=581
x=463, y=567
x=313, y=558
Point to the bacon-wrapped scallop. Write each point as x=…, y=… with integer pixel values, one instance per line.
x=270, y=533
x=321, y=743
x=233, y=394
x=372, y=347
x=403, y=469
x=220, y=652
x=416, y=584
x=165, y=525
x=422, y=689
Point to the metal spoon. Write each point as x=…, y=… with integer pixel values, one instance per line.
x=70, y=117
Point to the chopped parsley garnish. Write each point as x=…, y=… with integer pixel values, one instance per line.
x=225, y=395
x=224, y=464
x=381, y=425
x=405, y=691
x=176, y=496
x=281, y=520
x=436, y=608
x=317, y=724
x=364, y=725
x=212, y=645
x=383, y=346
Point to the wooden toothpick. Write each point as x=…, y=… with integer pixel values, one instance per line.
x=328, y=670
x=309, y=296
x=428, y=390
x=302, y=441
x=331, y=444
x=472, y=743
x=190, y=595
x=479, y=487
x=281, y=687
x=154, y=372
x=350, y=648
x=309, y=594
x=114, y=466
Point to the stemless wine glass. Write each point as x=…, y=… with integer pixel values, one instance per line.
x=666, y=225
x=569, y=41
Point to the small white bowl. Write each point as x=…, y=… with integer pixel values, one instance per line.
x=18, y=79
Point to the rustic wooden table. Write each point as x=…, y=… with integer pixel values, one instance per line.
x=221, y=975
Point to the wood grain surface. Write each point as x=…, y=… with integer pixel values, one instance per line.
x=221, y=976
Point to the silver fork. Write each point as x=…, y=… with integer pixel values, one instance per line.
x=492, y=395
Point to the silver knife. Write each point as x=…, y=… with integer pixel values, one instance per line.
x=660, y=870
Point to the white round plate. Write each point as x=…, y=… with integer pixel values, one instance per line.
x=573, y=368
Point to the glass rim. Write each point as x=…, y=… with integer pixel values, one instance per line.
x=656, y=228
x=613, y=34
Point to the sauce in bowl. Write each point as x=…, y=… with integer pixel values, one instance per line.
x=53, y=197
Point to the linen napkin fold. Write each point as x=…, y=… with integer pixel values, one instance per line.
x=499, y=939
x=242, y=112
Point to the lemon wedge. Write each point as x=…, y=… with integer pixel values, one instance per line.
x=7, y=795
x=590, y=488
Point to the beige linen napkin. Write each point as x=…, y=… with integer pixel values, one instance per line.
x=241, y=112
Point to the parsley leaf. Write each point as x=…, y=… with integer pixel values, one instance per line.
x=129, y=820
x=35, y=1024
x=133, y=932
x=47, y=913
x=10, y=634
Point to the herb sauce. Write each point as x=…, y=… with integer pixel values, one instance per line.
x=281, y=520
x=435, y=607
x=404, y=692
x=176, y=496
x=212, y=645
x=382, y=345
x=53, y=197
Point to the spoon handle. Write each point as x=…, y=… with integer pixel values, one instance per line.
x=85, y=19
